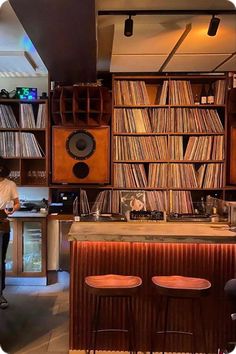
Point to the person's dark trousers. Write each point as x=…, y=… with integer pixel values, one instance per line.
x=5, y=242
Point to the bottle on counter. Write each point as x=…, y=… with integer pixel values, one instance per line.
x=196, y=99
x=76, y=209
x=210, y=95
x=203, y=98
x=214, y=215
x=202, y=206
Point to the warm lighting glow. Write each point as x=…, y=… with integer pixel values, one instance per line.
x=1, y=2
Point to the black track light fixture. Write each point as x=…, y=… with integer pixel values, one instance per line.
x=213, y=26
x=128, y=30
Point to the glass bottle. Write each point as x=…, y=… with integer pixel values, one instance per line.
x=196, y=99
x=76, y=209
x=203, y=95
x=210, y=95
x=214, y=214
x=202, y=206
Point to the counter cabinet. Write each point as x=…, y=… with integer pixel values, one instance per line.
x=213, y=260
x=26, y=254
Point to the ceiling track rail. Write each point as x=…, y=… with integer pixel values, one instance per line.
x=165, y=12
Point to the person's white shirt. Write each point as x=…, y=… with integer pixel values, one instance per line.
x=8, y=191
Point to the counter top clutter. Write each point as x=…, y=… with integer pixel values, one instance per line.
x=152, y=232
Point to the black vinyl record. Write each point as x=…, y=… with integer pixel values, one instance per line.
x=80, y=144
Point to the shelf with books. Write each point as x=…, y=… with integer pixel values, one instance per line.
x=167, y=89
x=231, y=132
x=24, y=139
x=164, y=138
x=169, y=120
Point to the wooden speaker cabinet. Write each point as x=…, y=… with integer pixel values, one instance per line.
x=81, y=155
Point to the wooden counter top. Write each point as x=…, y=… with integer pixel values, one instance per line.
x=152, y=232
x=61, y=217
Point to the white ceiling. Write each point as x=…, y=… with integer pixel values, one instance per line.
x=154, y=39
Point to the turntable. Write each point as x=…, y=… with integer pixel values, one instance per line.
x=189, y=217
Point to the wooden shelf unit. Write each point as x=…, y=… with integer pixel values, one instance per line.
x=24, y=140
x=176, y=197
x=82, y=105
x=232, y=136
x=156, y=121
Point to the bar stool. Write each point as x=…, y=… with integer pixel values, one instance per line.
x=113, y=286
x=180, y=287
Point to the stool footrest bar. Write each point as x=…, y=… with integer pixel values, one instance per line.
x=111, y=330
x=175, y=332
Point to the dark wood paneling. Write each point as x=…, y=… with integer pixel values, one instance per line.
x=64, y=34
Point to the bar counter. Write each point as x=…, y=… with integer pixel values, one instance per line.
x=151, y=232
x=205, y=250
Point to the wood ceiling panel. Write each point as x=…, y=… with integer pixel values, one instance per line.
x=229, y=65
x=199, y=42
x=194, y=63
x=146, y=39
x=136, y=63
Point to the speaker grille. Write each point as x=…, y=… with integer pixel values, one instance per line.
x=80, y=144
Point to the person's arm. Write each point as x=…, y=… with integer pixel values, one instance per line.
x=16, y=204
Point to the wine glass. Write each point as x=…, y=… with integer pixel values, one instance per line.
x=9, y=206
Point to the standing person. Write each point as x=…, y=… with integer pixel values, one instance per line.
x=9, y=202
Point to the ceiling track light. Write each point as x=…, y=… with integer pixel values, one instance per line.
x=128, y=29
x=213, y=26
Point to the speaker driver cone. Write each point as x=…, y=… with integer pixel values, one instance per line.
x=81, y=170
x=80, y=144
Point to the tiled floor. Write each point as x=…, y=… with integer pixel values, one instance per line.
x=37, y=319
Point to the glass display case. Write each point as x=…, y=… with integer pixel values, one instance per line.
x=32, y=246
x=26, y=254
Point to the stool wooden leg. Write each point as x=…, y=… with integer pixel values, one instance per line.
x=193, y=324
x=131, y=324
x=129, y=317
x=155, y=323
x=203, y=326
x=166, y=314
x=95, y=326
x=161, y=306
